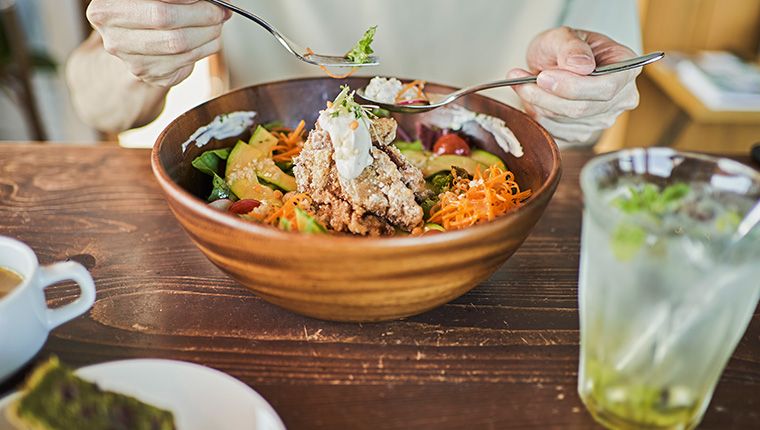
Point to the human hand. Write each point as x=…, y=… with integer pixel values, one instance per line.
x=158, y=40
x=575, y=107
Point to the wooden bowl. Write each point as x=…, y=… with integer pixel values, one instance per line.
x=345, y=278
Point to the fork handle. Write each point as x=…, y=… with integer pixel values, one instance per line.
x=494, y=84
x=245, y=13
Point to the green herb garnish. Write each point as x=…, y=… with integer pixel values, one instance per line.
x=345, y=103
x=360, y=54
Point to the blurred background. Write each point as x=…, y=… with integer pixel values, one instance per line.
x=695, y=100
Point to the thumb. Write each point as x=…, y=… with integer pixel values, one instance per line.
x=563, y=48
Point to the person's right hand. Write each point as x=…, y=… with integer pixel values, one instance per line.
x=159, y=40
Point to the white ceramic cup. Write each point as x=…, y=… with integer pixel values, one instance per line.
x=25, y=319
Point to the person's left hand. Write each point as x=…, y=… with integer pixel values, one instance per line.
x=575, y=107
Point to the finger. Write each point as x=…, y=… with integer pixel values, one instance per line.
x=576, y=109
x=174, y=78
x=571, y=86
x=122, y=41
x=571, y=133
x=155, y=14
x=563, y=48
x=156, y=67
x=606, y=50
x=580, y=111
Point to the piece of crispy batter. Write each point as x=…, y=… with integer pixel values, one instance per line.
x=383, y=197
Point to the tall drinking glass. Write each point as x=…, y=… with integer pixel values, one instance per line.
x=666, y=288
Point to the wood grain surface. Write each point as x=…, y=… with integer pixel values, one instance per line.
x=503, y=356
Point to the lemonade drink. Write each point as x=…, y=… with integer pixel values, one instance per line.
x=665, y=292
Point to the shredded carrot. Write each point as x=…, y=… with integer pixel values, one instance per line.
x=288, y=209
x=309, y=52
x=417, y=85
x=334, y=76
x=289, y=143
x=486, y=196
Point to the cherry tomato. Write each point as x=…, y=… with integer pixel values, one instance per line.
x=242, y=207
x=451, y=144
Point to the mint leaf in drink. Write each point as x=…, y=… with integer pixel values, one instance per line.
x=650, y=199
x=675, y=192
x=627, y=240
x=728, y=222
x=361, y=52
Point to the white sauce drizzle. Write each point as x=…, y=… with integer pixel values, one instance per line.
x=454, y=117
x=351, y=147
x=223, y=126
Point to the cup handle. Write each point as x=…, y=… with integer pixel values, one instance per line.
x=64, y=271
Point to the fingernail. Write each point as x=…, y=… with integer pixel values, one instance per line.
x=579, y=60
x=227, y=14
x=546, y=82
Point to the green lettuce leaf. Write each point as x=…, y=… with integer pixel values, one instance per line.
x=271, y=125
x=406, y=146
x=221, y=190
x=361, y=52
x=212, y=163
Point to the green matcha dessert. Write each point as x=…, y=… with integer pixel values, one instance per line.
x=55, y=399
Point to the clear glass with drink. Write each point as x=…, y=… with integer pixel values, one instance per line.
x=666, y=287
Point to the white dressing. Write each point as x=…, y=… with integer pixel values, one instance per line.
x=223, y=126
x=454, y=117
x=351, y=141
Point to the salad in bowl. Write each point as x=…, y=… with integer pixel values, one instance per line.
x=342, y=212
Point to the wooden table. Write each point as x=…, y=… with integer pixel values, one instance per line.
x=503, y=356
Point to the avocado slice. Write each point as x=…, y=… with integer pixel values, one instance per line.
x=262, y=139
x=250, y=164
x=430, y=164
x=418, y=158
x=487, y=158
x=430, y=226
x=440, y=163
x=307, y=224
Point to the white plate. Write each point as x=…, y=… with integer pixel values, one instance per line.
x=200, y=398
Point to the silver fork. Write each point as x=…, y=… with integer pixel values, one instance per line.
x=621, y=66
x=300, y=52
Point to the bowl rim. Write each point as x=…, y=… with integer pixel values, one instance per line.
x=200, y=207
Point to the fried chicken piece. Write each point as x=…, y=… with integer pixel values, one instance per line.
x=383, y=133
x=382, y=197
